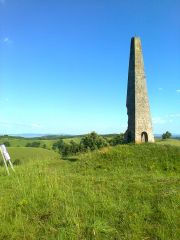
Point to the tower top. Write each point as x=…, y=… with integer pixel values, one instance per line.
x=136, y=38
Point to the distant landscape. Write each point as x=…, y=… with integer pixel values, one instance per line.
x=36, y=135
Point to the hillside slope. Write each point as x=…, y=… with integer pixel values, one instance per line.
x=26, y=154
x=173, y=142
x=125, y=192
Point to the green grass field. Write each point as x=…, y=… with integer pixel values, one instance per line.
x=173, y=142
x=21, y=142
x=124, y=192
x=29, y=154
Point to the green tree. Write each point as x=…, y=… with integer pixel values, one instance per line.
x=118, y=139
x=74, y=147
x=44, y=146
x=166, y=135
x=7, y=144
x=93, y=141
x=33, y=144
x=58, y=145
x=62, y=147
x=65, y=150
x=90, y=142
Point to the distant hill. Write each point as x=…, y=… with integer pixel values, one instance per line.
x=40, y=136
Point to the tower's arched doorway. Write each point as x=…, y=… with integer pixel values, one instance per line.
x=144, y=137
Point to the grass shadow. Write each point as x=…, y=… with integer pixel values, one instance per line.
x=70, y=159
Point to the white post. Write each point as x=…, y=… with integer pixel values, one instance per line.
x=11, y=165
x=4, y=161
x=6, y=158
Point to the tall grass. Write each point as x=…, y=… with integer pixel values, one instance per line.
x=173, y=142
x=125, y=192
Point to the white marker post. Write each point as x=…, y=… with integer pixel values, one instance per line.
x=6, y=158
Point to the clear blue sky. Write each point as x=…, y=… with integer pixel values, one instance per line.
x=64, y=64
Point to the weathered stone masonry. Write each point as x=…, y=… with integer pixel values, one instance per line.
x=138, y=110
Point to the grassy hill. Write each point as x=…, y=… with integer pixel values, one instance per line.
x=173, y=142
x=124, y=192
x=25, y=154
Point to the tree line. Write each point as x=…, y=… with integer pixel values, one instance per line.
x=90, y=142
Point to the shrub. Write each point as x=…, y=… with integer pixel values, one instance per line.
x=58, y=145
x=90, y=142
x=93, y=141
x=166, y=135
x=66, y=148
x=33, y=144
x=44, y=146
x=119, y=139
x=74, y=147
x=7, y=144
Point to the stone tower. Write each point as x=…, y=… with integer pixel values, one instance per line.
x=138, y=110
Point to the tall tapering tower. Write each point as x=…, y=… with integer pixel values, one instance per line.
x=138, y=110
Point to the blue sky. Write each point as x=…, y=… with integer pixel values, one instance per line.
x=64, y=64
